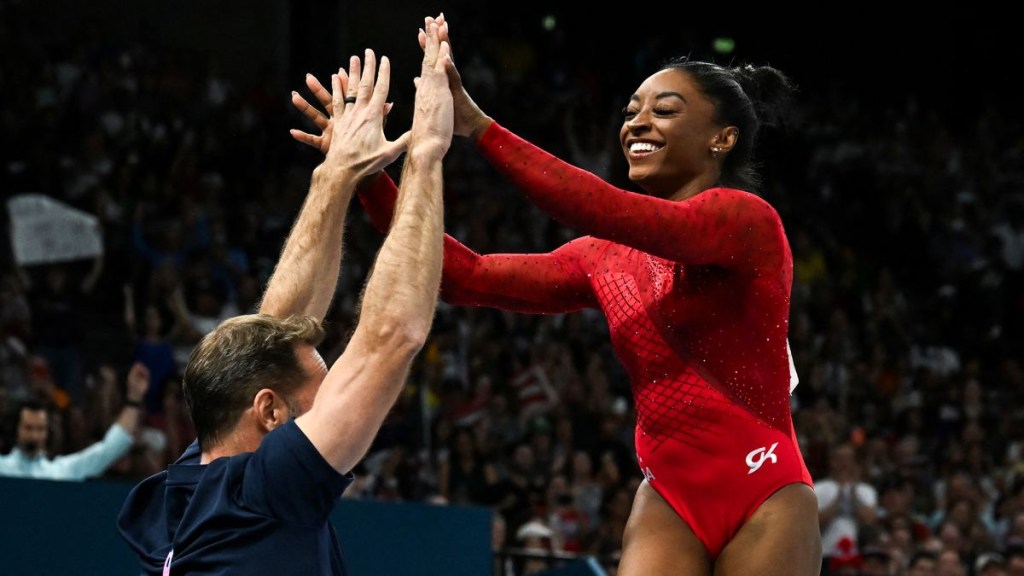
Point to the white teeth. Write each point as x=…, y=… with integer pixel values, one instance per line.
x=643, y=147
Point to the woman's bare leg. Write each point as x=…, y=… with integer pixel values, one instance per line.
x=781, y=539
x=657, y=542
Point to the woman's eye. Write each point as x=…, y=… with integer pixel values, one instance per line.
x=663, y=111
x=628, y=112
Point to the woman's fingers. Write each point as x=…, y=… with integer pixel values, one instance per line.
x=317, y=117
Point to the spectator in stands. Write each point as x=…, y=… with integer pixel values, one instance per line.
x=846, y=503
x=950, y=563
x=923, y=563
x=29, y=457
x=466, y=476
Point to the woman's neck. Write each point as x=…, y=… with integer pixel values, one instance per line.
x=695, y=186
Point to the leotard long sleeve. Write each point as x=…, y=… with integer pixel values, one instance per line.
x=695, y=292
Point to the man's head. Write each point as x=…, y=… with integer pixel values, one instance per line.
x=843, y=462
x=256, y=368
x=33, y=428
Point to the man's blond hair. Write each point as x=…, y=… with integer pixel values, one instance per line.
x=238, y=359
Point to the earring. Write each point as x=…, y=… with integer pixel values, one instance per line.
x=715, y=151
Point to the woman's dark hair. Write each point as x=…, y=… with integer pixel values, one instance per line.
x=745, y=96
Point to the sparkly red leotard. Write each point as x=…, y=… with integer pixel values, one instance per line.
x=696, y=295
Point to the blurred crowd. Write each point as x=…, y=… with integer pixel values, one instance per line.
x=906, y=222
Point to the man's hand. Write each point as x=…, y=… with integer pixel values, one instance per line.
x=355, y=147
x=322, y=119
x=470, y=121
x=432, y=124
x=357, y=133
x=138, y=382
x=400, y=297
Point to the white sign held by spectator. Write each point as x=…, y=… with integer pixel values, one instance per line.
x=44, y=230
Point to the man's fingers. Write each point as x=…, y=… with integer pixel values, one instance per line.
x=345, y=81
x=337, y=93
x=429, y=42
x=430, y=48
x=442, y=33
x=383, y=84
x=366, y=79
x=355, y=68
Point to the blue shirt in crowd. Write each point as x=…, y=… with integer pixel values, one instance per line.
x=87, y=463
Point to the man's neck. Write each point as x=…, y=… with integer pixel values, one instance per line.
x=229, y=447
x=216, y=452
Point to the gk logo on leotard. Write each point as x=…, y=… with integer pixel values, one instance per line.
x=757, y=457
x=648, y=474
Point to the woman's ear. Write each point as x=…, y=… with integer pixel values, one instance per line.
x=726, y=138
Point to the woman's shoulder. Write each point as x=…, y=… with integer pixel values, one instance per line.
x=730, y=191
x=738, y=195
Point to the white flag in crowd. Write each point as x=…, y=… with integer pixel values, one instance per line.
x=44, y=230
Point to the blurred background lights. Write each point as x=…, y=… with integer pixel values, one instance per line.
x=723, y=45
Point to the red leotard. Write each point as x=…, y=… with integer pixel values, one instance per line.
x=696, y=295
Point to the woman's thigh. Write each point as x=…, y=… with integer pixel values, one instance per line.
x=782, y=538
x=657, y=542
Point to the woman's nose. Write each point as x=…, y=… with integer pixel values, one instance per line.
x=637, y=123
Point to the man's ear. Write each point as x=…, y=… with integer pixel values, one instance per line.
x=270, y=409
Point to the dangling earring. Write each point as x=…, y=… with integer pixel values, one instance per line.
x=715, y=152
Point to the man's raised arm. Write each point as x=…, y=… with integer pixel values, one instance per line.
x=400, y=297
x=306, y=274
